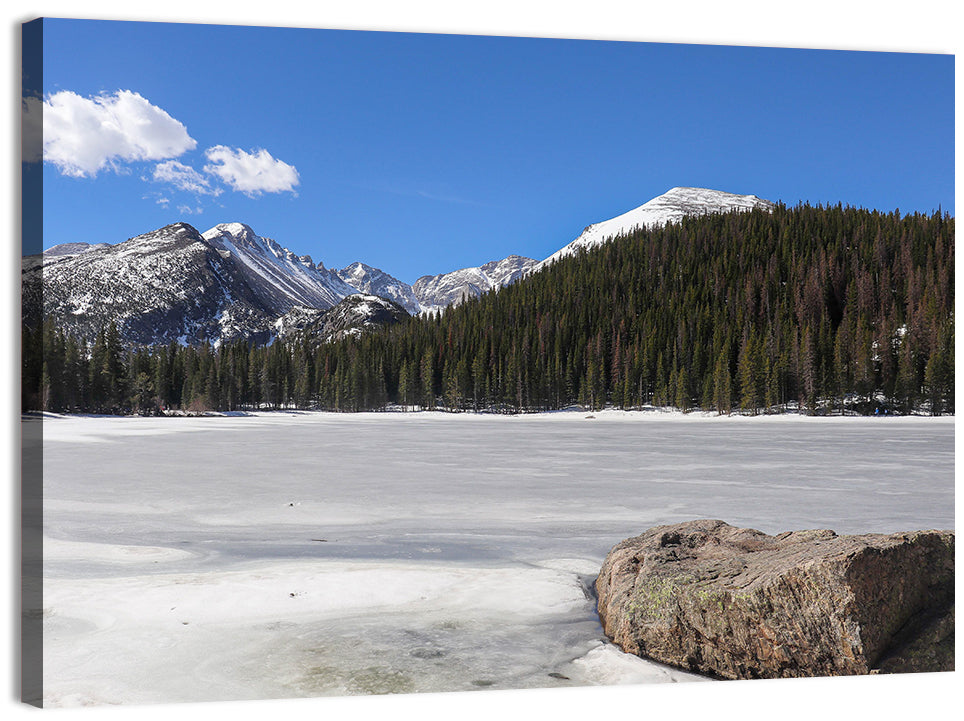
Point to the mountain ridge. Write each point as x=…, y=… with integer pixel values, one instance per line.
x=176, y=283
x=672, y=206
x=436, y=292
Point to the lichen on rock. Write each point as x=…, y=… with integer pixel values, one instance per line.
x=737, y=603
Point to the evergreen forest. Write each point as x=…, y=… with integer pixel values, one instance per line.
x=817, y=309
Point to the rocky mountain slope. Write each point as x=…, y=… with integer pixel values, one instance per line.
x=167, y=285
x=354, y=315
x=59, y=252
x=435, y=292
x=176, y=284
x=278, y=277
x=373, y=281
x=432, y=293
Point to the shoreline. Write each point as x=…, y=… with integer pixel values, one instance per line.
x=645, y=414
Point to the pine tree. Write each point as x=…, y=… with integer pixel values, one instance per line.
x=939, y=377
x=428, y=379
x=748, y=370
x=723, y=388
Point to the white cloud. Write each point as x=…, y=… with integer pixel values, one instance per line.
x=85, y=135
x=184, y=177
x=82, y=136
x=251, y=173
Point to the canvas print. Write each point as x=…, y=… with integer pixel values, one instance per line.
x=387, y=363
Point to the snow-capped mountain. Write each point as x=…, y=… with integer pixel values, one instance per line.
x=431, y=293
x=435, y=292
x=670, y=207
x=176, y=284
x=440, y=291
x=279, y=278
x=377, y=282
x=167, y=285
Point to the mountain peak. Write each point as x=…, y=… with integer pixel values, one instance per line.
x=670, y=207
x=235, y=232
x=358, y=269
x=687, y=200
x=375, y=281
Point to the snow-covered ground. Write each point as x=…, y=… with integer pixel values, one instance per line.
x=303, y=554
x=670, y=207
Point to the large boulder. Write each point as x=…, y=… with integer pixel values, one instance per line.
x=737, y=603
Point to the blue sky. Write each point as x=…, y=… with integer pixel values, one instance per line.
x=420, y=154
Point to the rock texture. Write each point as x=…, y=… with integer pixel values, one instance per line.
x=167, y=285
x=355, y=315
x=373, y=281
x=435, y=292
x=737, y=603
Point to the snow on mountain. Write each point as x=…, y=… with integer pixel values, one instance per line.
x=167, y=285
x=64, y=250
x=295, y=320
x=279, y=278
x=178, y=284
x=670, y=207
x=374, y=281
x=435, y=292
x=175, y=284
x=354, y=315
x=360, y=312
x=57, y=253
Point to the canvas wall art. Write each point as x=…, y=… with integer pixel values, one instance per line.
x=361, y=363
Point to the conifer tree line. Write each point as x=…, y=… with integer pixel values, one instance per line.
x=825, y=309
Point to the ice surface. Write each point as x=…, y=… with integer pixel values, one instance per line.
x=303, y=554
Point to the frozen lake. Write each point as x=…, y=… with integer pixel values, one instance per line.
x=306, y=554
